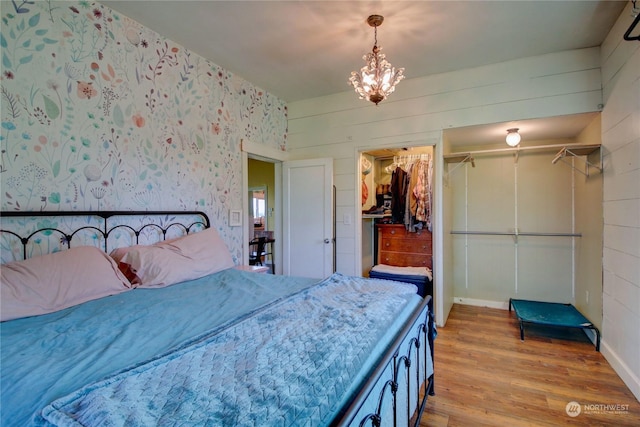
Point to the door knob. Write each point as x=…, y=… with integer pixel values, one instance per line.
x=327, y=241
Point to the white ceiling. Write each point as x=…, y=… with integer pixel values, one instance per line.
x=533, y=132
x=303, y=49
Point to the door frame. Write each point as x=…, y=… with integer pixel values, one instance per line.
x=441, y=307
x=271, y=155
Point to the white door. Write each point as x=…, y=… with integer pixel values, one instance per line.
x=308, y=242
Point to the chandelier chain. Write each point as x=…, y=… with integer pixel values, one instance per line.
x=375, y=36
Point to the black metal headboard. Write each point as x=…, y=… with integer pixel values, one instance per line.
x=160, y=221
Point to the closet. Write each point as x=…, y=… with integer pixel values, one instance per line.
x=397, y=207
x=526, y=222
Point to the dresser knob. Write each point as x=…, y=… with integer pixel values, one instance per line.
x=387, y=244
x=393, y=231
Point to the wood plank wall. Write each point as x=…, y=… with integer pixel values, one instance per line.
x=340, y=125
x=621, y=194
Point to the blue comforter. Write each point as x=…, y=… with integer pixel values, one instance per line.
x=266, y=358
x=46, y=357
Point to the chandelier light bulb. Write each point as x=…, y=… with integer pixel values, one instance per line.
x=513, y=137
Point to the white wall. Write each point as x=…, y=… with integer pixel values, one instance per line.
x=621, y=248
x=340, y=125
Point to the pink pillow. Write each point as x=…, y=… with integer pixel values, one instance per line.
x=166, y=263
x=118, y=253
x=52, y=282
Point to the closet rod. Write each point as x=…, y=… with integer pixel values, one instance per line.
x=513, y=233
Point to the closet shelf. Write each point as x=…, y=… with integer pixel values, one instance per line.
x=575, y=150
x=578, y=151
x=581, y=150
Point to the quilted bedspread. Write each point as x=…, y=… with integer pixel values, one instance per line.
x=289, y=364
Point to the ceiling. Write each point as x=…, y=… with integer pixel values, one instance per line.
x=304, y=49
x=533, y=132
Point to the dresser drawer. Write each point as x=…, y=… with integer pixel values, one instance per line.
x=405, y=245
x=402, y=259
x=399, y=231
x=397, y=246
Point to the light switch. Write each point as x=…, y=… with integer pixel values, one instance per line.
x=346, y=219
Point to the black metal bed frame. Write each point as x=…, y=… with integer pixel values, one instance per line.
x=106, y=230
x=413, y=363
x=425, y=333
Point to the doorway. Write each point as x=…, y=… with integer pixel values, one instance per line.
x=258, y=208
x=261, y=206
x=376, y=170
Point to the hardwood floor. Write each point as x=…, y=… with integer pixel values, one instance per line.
x=486, y=376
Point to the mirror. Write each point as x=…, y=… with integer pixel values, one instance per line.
x=258, y=208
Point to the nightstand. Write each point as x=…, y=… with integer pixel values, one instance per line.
x=253, y=268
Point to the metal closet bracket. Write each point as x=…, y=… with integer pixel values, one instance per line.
x=459, y=159
x=582, y=153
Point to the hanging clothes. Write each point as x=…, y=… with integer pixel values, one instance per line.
x=410, y=198
x=411, y=191
x=365, y=192
x=421, y=191
x=398, y=197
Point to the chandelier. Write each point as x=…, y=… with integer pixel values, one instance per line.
x=377, y=79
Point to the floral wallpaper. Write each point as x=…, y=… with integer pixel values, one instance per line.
x=99, y=112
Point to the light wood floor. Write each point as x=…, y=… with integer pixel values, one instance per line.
x=486, y=376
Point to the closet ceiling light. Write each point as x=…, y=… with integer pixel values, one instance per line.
x=378, y=78
x=513, y=137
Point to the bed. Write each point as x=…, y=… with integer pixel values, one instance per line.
x=178, y=336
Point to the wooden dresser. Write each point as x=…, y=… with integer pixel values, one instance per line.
x=397, y=246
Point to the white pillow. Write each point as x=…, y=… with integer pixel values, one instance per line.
x=166, y=263
x=52, y=282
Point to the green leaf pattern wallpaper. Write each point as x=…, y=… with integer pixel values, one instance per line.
x=100, y=113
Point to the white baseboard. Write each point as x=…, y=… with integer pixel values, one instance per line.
x=621, y=368
x=502, y=305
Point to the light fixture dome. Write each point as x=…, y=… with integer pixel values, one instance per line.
x=378, y=78
x=513, y=137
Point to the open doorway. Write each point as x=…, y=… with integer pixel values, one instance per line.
x=261, y=211
x=396, y=225
x=258, y=208
x=262, y=167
